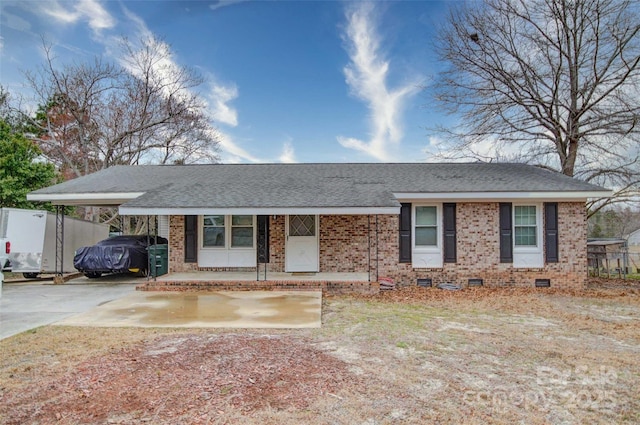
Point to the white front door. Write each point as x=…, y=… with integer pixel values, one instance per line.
x=301, y=251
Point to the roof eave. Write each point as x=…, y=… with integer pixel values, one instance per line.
x=133, y=210
x=90, y=199
x=504, y=196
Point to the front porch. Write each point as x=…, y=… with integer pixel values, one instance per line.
x=330, y=283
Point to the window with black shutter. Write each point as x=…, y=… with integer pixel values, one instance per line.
x=506, y=242
x=190, y=238
x=551, y=232
x=449, y=232
x=263, y=239
x=405, y=233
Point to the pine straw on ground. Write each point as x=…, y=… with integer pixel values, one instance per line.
x=189, y=378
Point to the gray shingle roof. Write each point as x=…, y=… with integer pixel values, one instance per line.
x=310, y=185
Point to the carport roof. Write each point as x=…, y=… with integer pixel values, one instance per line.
x=296, y=188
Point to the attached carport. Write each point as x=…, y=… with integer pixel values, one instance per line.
x=74, y=193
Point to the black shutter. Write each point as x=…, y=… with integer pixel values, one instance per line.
x=263, y=239
x=449, y=232
x=551, y=232
x=405, y=233
x=506, y=240
x=190, y=238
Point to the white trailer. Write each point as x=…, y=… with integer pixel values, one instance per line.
x=33, y=240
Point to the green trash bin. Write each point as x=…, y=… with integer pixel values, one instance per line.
x=159, y=260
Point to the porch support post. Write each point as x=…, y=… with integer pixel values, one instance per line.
x=149, y=256
x=59, y=268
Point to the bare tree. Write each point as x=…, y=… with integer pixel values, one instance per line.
x=143, y=109
x=557, y=81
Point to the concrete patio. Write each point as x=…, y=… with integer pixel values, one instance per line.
x=233, y=309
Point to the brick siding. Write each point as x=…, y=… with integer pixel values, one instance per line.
x=360, y=243
x=478, y=249
x=176, y=246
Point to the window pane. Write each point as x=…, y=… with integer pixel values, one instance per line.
x=214, y=220
x=425, y=216
x=242, y=237
x=426, y=236
x=242, y=220
x=302, y=225
x=213, y=236
x=525, y=236
x=525, y=215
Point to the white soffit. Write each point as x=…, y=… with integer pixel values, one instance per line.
x=111, y=198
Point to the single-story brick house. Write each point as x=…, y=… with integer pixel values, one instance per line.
x=507, y=224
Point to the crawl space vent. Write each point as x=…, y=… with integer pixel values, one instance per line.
x=543, y=283
x=474, y=282
x=425, y=283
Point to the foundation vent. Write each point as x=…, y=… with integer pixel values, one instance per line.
x=475, y=282
x=425, y=283
x=543, y=283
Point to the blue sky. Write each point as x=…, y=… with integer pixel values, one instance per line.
x=288, y=81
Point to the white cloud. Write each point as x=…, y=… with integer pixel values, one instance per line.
x=233, y=153
x=15, y=22
x=224, y=3
x=366, y=76
x=86, y=10
x=98, y=16
x=288, y=155
x=218, y=98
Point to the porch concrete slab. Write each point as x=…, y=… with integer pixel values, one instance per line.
x=223, y=309
x=275, y=276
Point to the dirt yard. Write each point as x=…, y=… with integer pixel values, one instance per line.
x=503, y=356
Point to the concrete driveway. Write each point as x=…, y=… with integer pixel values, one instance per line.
x=112, y=301
x=25, y=306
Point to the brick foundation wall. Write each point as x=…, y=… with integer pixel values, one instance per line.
x=327, y=287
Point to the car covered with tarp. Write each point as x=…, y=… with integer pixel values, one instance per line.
x=118, y=254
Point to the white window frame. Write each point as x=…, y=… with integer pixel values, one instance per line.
x=227, y=234
x=427, y=256
x=528, y=256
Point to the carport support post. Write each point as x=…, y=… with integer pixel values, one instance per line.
x=149, y=254
x=59, y=269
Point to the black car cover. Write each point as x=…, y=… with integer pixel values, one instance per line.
x=116, y=255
